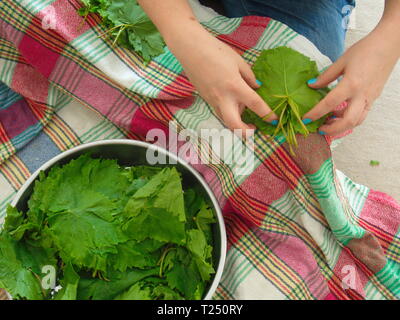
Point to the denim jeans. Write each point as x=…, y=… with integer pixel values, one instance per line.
x=323, y=22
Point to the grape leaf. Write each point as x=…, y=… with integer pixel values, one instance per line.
x=150, y=289
x=18, y=280
x=136, y=254
x=204, y=219
x=155, y=223
x=69, y=284
x=15, y=223
x=83, y=185
x=197, y=244
x=94, y=221
x=97, y=289
x=128, y=24
x=284, y=73
x=163, y=292
x=81, y=200
x=85, y=239
x=193, y=204
x=157, y=210
x=136, y=292
x=182, y=272
x=139, y=32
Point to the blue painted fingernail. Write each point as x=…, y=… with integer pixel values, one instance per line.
x=259, y=82
x=321, y=132
x=312, y=81
x=307, y=121
x=333, y=117
x=274, y=122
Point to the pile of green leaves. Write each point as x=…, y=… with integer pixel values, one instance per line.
x=110, y=233
x=128, y=24
x=284, y=73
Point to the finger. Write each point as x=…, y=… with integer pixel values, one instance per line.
x=255, y=103
x=328, y=76
x=330, y=102
x=363, y=116
x=248, y=75
x=231, y=116
x=218, y=112
x=351, y=118
x=331, y=120
x=340, y=112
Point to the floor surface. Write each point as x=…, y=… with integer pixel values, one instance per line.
x=379, y=136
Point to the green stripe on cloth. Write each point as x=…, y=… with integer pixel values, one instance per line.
x=92, y=46
x=389, y=276
x=223, y=25
x=8, y=64
x=292, y=217
x=104, y=130
x=323, y=183
x=17, y=14
x=237, y=268
x=34, y=6
x=356, y=193
x=3, y=206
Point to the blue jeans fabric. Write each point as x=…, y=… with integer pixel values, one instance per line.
x=323, y=22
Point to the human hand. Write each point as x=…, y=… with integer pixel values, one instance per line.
x=365, y=68
x=221, y=77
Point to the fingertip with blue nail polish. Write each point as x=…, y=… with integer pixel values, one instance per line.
x=274, y=122
x=307, y=121
x=312, y=81
x=321, y=132
x=259, y=82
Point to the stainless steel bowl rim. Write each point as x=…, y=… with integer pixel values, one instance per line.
x=54, y=160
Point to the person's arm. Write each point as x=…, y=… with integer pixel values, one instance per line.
x=219, y=74
x=365, y=68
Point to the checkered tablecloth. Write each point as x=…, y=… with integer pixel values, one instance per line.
x=297, y=228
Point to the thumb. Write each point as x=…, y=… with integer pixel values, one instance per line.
x=248, y=75
x=328, y=76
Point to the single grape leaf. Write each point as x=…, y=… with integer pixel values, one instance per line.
x=136, y=254
x=182, y=272
x=198, y=246
x=163, y=292
x=34, y=257
x=157, y=210
x=13, y=220
x=85, y=239
x=16, y=224
x=193, y=203
x=83, y=185
x=136, y=184
x=139, y=291
x=196, y=243
x=117, y=283
x=144, y=171
x=163, y=190
x=284, y=73
x=150, y=288
x=205, y=218
x=19, y=281
x=155, y=223
x=80, y=201
x=69, y=283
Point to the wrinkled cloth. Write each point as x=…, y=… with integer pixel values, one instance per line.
x=297, y=228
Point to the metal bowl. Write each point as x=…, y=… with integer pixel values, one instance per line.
x=130, y=153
